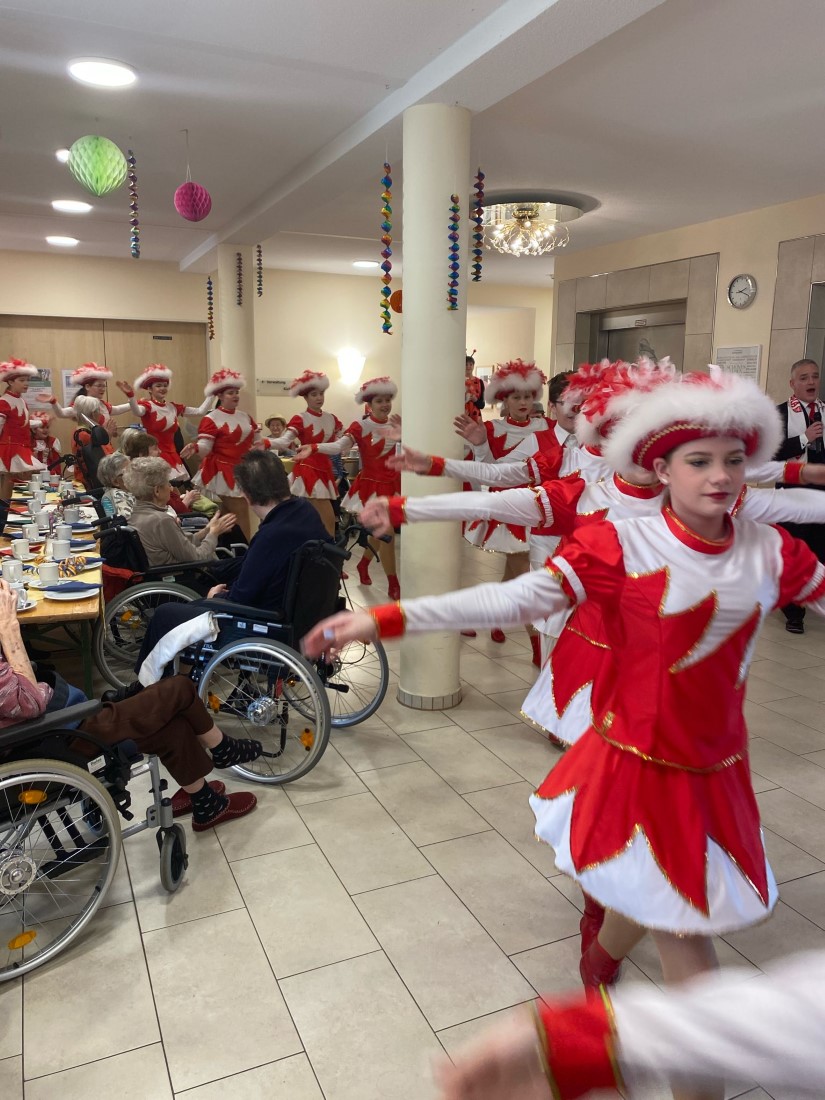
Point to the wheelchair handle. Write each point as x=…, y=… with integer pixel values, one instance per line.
x=363, y=536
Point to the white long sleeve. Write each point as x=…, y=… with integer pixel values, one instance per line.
x=122, y=408
x=769, y=1028
x=768, y=471
x=205, y=443
x=783, y=506
x=530, y=596
x=67, y=413
x=482, y=451
x=488, y=472
x=336, y=446
x=283, y=442
x=512, y=506
x=138, y=410
x=198, y=410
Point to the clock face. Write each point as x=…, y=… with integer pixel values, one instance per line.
x=742, y=291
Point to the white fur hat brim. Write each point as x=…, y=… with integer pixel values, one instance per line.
x=376, y=387
x=152, y=374
x=82, y=376
x=224, y=382
x=499, y=388
x=678, y=411
x=8, y=371
x=310, y=380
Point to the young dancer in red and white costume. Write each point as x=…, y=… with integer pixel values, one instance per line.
x=160, y=417
x=312, y=477
x=44, y=446
x=16, y=455
x=89, y=405
x=652, y=811
x=224, y=436
x=375, y=478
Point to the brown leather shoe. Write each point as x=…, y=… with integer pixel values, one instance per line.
x=182, y=803
x=239, y=804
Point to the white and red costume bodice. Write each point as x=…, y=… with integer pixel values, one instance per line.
x=509, y=441
x=224, y=437
x=375, y=478
x=16, y=454
x=313, y=476
x=652, y=810
x=161, y=421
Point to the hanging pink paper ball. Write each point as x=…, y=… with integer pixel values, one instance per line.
x=192, y=201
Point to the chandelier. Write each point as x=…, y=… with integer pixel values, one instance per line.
x=527, y=228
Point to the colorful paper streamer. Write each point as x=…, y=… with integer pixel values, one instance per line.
x=259, y=269
x=478, y=232
x=239, y=276
x=210, y=309
x=386, y=252
x=134, y=220
x=455, y=266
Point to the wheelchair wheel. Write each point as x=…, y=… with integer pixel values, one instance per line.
x=356, y=682
x=59, y=848
x=253, y=688
x=173, y=857
x=119, y=635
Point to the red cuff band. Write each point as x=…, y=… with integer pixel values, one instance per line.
x=793, y=473
x=437, y=465
x=389, y=618
x=398, y=511
x=579, y=1045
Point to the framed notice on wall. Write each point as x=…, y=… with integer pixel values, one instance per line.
x=743, y=361
x=41, y=384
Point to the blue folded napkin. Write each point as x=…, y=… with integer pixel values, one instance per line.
x=81, y=544
x=71, y=586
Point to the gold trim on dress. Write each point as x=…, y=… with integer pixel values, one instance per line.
x=592, y=641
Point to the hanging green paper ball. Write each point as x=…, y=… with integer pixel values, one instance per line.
x=97, y=164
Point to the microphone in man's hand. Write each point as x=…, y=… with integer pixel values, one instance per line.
x=817, y=445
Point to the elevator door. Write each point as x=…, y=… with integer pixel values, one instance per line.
x=656, y=341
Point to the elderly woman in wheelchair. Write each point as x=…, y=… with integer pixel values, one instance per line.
x=59, y=829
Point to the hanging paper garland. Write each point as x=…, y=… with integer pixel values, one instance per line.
x=478, y=232
x=452, y=282
x=210, y=309
x=259, y=269
x=386, y=252
x=97, y=164
x=239, y=271
x=134, y=223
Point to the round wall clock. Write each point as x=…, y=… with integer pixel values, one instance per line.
x=741, y=291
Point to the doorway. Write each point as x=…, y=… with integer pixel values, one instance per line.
x=656, y=332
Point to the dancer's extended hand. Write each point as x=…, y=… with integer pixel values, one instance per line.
x=503, y=1064
x=331, y=635
x=408, y=459
x=375, y=516
x=391, y=430
x=470, y=429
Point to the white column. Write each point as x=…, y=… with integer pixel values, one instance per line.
x=235, y=324
x=436, y=165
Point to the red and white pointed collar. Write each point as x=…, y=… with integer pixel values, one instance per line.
x=640, y=492
x=517, y=423
x=375, y=420
x=315, y=412
x=694, y=541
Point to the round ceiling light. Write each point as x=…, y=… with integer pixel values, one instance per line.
x=71, y=206
x=366, y=263
x=101, y=72
x=62, y=155
x=62, y=242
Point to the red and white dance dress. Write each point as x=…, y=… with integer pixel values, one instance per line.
x=46, y=451
x=161, y=421
x=680, y=849
x=311, y=477
x=16, y=453
x=224, y=437
x=375, y=478
x=507, y=441
x=473, y=391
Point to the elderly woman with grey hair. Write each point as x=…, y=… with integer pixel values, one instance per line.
x=116, y=501
x=147, y=479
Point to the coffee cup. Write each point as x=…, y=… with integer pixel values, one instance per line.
x=54, y=482
x=12, y=570
x=33, y=504
x=65, y=488
x=31, y=532
x=34, y=484
x=63, y=531
x=20, y=549
x=45, y=477
x=19, y=590
x=41, y=518
x=71, y=514
x=49, y=572
x=61, y=548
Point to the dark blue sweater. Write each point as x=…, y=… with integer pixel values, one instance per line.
x=262, y=579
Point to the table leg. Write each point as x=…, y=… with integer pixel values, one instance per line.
x=86, y=650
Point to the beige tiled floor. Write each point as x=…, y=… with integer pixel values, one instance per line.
x=372, y=917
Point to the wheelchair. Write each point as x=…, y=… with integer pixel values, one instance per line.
x=60, y=832
x=133, y=590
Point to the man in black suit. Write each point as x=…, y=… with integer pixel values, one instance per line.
x=802, y=420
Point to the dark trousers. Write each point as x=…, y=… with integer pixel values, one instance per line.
x=813, y=535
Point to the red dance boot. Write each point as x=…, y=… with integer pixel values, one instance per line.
x=591, y=922
x=364, y=571
x=598, y=968
x=468, y=634
x=498, y=635
x=535, y=642
x=393, y=587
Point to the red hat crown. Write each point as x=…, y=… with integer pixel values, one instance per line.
x=309, y=380
x=512, y=376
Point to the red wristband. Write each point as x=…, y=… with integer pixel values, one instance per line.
x=437, y=465
x=398, y=511
x=390, y=619
x=578, y=1038
x=792, y=474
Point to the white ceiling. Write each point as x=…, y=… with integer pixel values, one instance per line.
x=666, y=113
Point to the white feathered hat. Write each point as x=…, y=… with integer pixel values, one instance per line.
x=516, y=375
x=309, y=380
x=605, y=392
x=155, y=372
x=224, y=379
x=90, y=372
x=695, y=406
x=17, y=368
x=376, y=387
